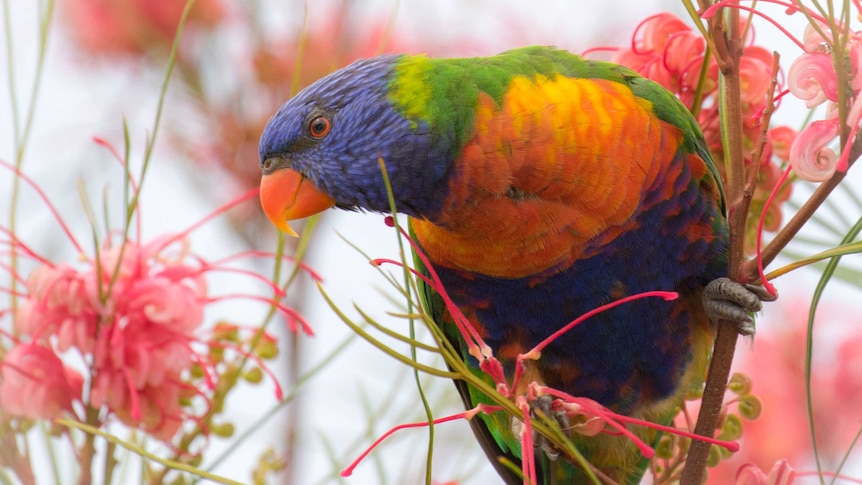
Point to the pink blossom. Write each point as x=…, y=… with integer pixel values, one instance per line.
x=812, y=79
x=781, y=474
x=133, y=26
x=811, y=159
x=36, y=384
x=653, y=34
x=60, y=302
x=754, y=71
x=781, y=138
x=133, y=314
x=813, y=41
x=663, y=48
x=174, y=303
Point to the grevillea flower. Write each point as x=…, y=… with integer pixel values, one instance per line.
x=812, y=79
x=668, y=51
x=665, y=50
x=781, y=474
x=134, y=314
x=60, y=302
x=36, y=384
x=810, y=156
x=780, y=140
x=754, y=66
x=112, y=27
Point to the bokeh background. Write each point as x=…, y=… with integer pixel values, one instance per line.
x=239, y=60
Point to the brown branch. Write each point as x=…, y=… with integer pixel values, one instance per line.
x=728, y=51
x=88, y=450
x=11, y=456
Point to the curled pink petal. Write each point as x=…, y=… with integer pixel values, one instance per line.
x=781, y=139
x=36, y=384
x=812, y=79
x=811, y=159
x=755, y=74
x=749, y=474
x=652, y=34
x=813, y=41
x=781, y=474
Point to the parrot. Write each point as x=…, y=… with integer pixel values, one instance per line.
x=539, y=185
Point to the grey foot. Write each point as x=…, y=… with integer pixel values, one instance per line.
x=543, y=406
x=724, y=299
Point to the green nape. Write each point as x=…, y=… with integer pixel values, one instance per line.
x=443, y=93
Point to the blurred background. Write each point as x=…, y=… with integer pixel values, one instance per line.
x=104, y=62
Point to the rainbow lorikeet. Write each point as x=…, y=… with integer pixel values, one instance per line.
x=540, y=185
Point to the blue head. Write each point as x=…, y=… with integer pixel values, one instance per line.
x=333, y=134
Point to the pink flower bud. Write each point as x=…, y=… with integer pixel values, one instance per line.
x=781, y=138
x=811, y=159
x=36, y=384
x=781, y=474
x=812, y=79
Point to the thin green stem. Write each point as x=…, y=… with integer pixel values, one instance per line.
x=845, y=457
x=20, y=138
x=10, y=72
x=288, y=398
x=52, y=453
x=412, y=326
x=809, y=345
x=131, y=207
x=5, y=478
x=143, y=453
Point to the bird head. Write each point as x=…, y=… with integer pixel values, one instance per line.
x=323, y=148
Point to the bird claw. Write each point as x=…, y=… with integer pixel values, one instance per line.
x=724, y=299
x=543, y=406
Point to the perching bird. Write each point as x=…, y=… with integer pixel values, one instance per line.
x=540, y=185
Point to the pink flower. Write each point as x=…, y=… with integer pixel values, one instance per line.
x=812, y=79
x=60, y=302
x=665, y=50
x=139, y=377
x=811, y=159
x=115, y=27
x=755, y=71
x=781, y=139
x=781, y=474
x=134, y=315
x=813, y=41
x=36, y=384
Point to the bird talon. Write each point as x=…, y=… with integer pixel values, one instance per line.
x=724, y=299
x=543, y=406
x=761, y=292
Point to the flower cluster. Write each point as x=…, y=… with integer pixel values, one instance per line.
x=134, y=27
x=133, y=315
x=120, y=335
x=665, y=49
x=780, y=474
x=813, y=78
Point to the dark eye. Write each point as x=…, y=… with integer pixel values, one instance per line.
x=267, y=164
x=319, y=127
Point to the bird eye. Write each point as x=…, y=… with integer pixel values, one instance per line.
x=319, y=127
x=267, y=164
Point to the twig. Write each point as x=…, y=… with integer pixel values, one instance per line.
x=728, y=45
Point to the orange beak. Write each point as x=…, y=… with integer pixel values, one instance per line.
x=286, y=195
